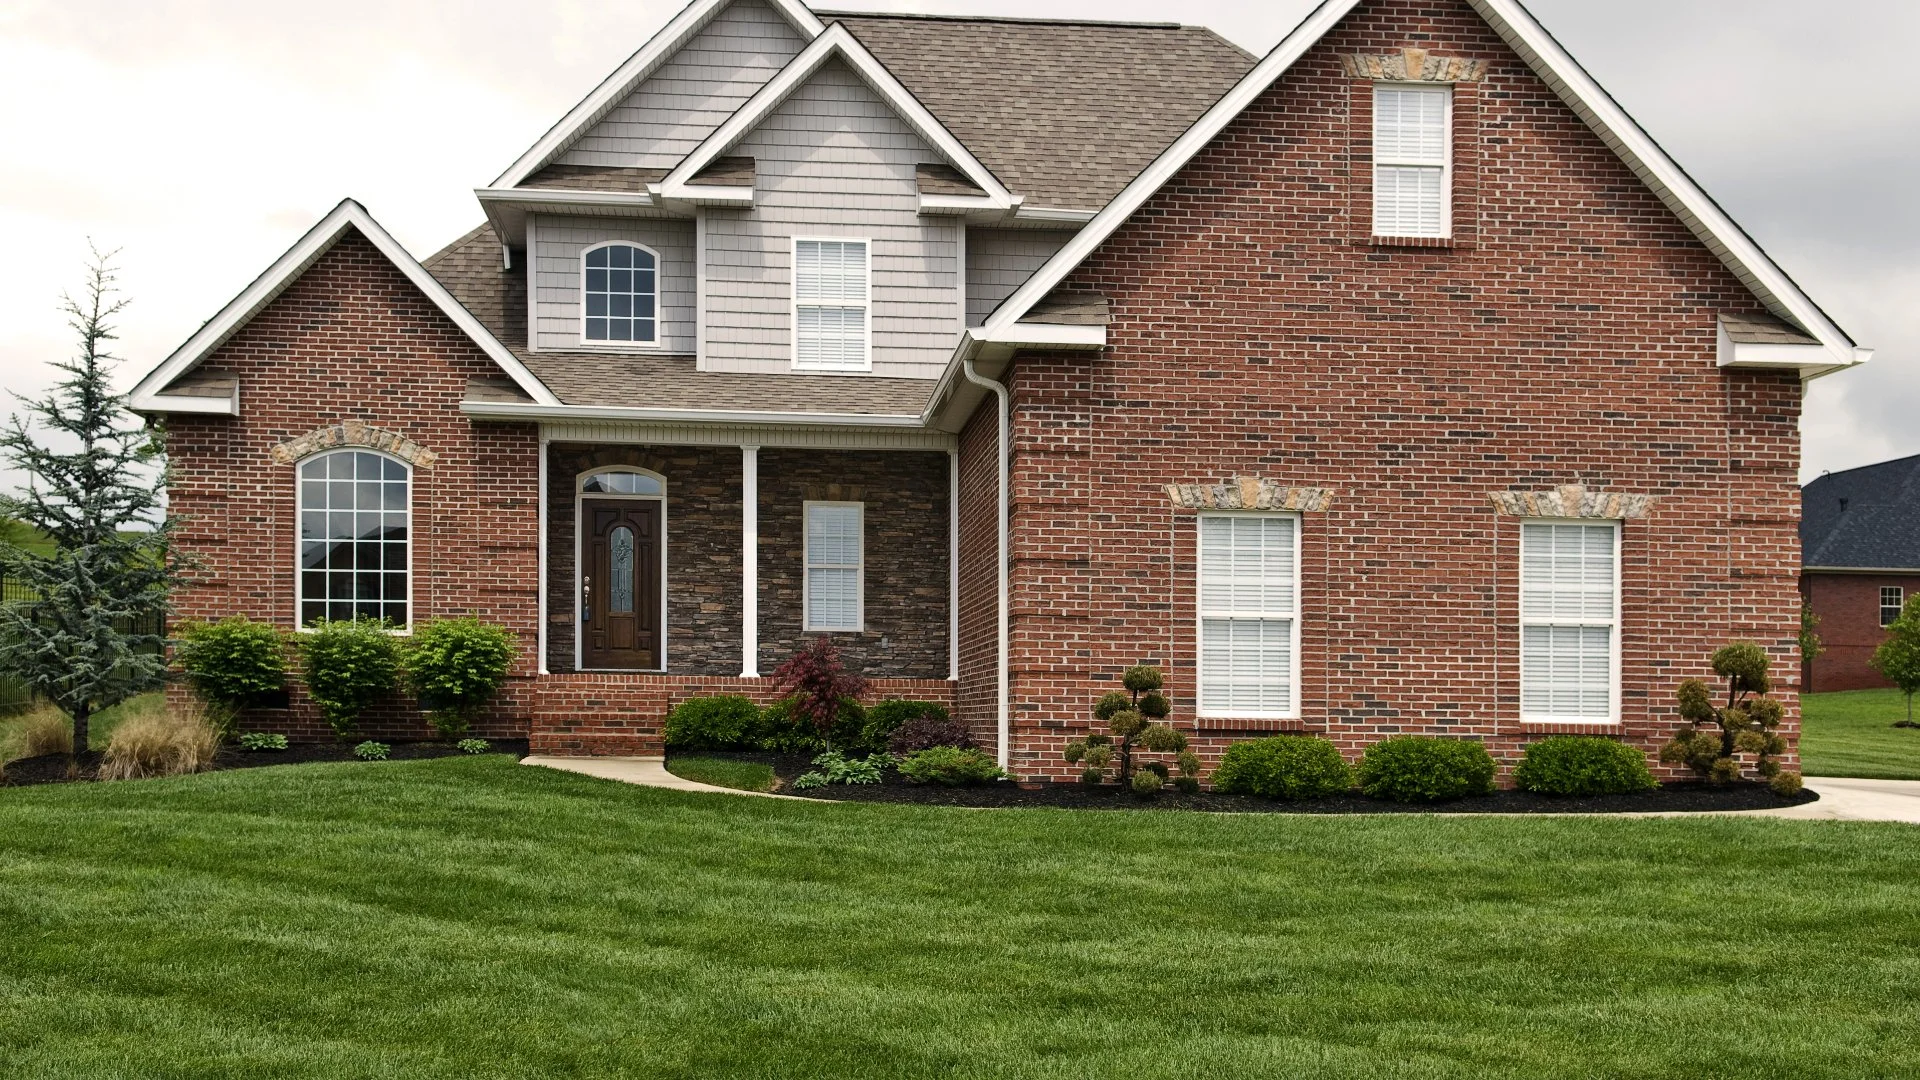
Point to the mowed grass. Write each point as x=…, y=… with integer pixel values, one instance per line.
x=1851, y=733
x=720, y=772
x=475, y=917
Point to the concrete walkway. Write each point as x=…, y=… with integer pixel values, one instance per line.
x=1841, y=798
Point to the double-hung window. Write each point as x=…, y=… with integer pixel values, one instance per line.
x=1412, y=160
x=1569, y=621
x=621, y=285
x=831, y=316
x=834, y=566
x=1892, y=597
x=353, y=507
x=1249, y=615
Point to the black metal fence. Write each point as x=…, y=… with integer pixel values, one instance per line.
x=14, y=697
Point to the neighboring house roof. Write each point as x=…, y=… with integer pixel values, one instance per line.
x=1863, y=519
x=162, y=390
x=1776, y=291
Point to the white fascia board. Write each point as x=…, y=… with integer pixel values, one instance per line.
x=288, y=268
x=511, y=410
x=1811, y=361
x=1044, y=335
x=714, y=194
x=1050, y=213
x=228, y=405
x=543, y=198
x=956, y=204
x=836, y=41
x=628, y=77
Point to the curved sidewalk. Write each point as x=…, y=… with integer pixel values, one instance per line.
x=1841, y=798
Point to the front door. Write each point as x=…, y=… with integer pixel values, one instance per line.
x=620, y=584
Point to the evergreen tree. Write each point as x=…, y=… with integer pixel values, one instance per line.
x=80, y=636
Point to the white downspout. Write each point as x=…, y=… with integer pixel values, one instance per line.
x=1005, y=450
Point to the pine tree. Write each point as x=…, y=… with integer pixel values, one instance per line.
x=81, y=637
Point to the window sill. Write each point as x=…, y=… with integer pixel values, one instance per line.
x=614, y=346
x=1242, y=723
x=1444, y=243
x=1570, y=727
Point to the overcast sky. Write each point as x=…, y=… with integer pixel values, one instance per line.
x=202, y=137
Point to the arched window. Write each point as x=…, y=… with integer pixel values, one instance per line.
x=622, y=482
x=621, y=283
x=355, y=559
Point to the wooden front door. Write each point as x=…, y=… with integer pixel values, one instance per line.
x=620, y=584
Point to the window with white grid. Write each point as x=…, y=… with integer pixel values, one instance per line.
x=1569, y=621
x=1892, y=597
x=830, y=305
x=354, y=560
x=621, y=287
x=1412, y=160
x=833, y=566
x=1249, y=614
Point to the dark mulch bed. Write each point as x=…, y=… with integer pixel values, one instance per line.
x=59, y=769
x=897, y=789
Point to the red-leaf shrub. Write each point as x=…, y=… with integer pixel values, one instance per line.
x=818, y=683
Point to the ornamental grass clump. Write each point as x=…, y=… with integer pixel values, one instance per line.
x=169, y=742
x=36, y=733
x=1583, y=765
x=1422, y=768
x=1134, y=723
x=1749, y=722
x=349, y=666
x=231, y=664
x=1283, y=767
x=456, y=666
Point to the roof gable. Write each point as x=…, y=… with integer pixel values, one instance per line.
x=1575, y=87
x=152, y=394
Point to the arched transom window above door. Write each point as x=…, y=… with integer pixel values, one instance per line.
x=622, y=482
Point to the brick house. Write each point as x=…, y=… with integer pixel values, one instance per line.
x=1393, y=382
x=1860, y=562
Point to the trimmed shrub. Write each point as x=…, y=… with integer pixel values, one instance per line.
x=950, y=765
x=1283, y=767
x=1785, y=783
x=721, y=722
x=1748, y=723
x=887, y=717
x=783, y=729
x=233, y=663
x=1583, y=765
x=165, y=743
x=349, y=666
x=456, y=666
x=1421, y=768
x=928, y=731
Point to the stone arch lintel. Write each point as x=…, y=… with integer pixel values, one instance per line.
x=356, y=434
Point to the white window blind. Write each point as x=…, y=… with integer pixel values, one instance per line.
x=830, y=297
x=833, y=571
x=1412, y=160
x=1892, y=597
x=1249, y=605
x=1569, y=610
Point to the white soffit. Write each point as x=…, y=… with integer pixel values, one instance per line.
x=147, y=396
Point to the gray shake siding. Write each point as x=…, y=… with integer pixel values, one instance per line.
x=558, y=242
x=999, y=260
x=833, y=160
x=694, y=92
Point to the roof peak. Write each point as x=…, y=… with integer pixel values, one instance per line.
x=1021, y=20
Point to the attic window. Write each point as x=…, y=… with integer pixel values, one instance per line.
x=1412, y=160
x=620, y=287
x=830, y=305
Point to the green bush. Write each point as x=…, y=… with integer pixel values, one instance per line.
x=951, y=766
x=349, y=666
x=372, y=751
x=473, y=746
x=1283, y=767
x=834, y=767
x=456, y=666
x=232, y=663
x=1419, y=768
x=783, y=729
x=886, y=717
x=1583, y=765
x=261, y=740
x=721, y=722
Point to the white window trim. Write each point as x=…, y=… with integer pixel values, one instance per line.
x=1446, y=159
x=793, y=304
x=1292, y=711
x=659, y=309
x=580, y=497
x=1898, y=608
x=1613, y=639
x=299, y=508
x=806, y=573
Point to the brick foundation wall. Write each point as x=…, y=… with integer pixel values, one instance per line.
x=1565, y=336
x=1849, y=610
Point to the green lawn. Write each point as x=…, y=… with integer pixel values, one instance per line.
x=475, y=917
x=720, y=772
x=1852, y=734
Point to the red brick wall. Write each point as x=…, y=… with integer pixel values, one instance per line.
x=1849, y=610
x=354, y=339
x=1566, y=336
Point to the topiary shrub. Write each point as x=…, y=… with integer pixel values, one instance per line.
x=1748, y=723
x=1420, y=768
x=456, y=666
x=1283, y=767
x=349, y=666
x=721, y=722
x=889, y=716
x=951, y=766
x=231, y=664
x=1131, y=722
x=1583, y=765
x=927, y=732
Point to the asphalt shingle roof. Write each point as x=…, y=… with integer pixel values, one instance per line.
x=1865, y=518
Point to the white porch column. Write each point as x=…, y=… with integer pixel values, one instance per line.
x=953, y=563
x=540, y=514
x=749, y=562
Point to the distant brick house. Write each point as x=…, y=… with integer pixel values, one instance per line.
x=1860, y=562
x=1394, y=382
